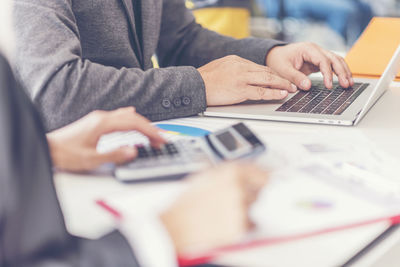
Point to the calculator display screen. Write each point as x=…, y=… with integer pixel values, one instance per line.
x=230, y=142
x=234, y=142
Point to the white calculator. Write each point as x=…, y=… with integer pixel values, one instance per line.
x=179, y=158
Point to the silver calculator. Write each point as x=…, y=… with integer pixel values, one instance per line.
x=179, y=158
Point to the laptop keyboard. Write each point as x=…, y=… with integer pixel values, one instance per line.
x=320, y=100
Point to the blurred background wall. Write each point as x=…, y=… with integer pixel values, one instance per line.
x=333, y=24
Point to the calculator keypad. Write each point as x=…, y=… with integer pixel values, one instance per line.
x=148, y=151
x=179, y=152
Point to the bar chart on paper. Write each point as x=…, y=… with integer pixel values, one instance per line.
x=182, y=130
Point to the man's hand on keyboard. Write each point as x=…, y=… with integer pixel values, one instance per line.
x=73, y=147
x=296, y=61
x=232, y=79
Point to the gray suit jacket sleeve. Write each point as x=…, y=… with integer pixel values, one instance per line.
x=65, y=85
x=76, y=56
x=32, y=230
x=184, y=42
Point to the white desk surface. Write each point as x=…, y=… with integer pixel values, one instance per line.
x=381, y=125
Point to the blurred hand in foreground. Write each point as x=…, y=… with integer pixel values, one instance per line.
x=73, y=147
x=214, y=211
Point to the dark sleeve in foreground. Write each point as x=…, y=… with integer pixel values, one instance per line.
x=32, y=230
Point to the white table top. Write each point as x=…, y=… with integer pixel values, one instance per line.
x=381, y=125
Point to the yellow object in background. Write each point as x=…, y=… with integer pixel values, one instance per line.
x=154, y=60
x=372, y=52
x=229, y=21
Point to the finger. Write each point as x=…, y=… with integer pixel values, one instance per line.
x=250, y=224
x=126, y=119
x=258, y=68
x=269, y=80
x=344, y=65
x=339, y=70
x=315, y=55
x=253, y=177
x=308, y=69
x=340, y=73
x=251, y=66
x=318, y=58
x=252, y=180
x=348, y=71
x=144, y=126
x=261, y=93
x=245, y=207
x=264, y=76
x=298, y=78
x=118, y=156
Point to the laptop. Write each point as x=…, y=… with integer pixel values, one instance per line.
x=337, y=106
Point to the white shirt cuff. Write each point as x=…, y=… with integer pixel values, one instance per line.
x=149, y=240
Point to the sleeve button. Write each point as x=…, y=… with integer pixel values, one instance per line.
x=166, y=103
x=177, y=102
x=186, y=100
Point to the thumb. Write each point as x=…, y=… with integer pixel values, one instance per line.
x=298, y=78
x=118, y=156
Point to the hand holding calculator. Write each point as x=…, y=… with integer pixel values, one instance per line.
x=175, y=160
